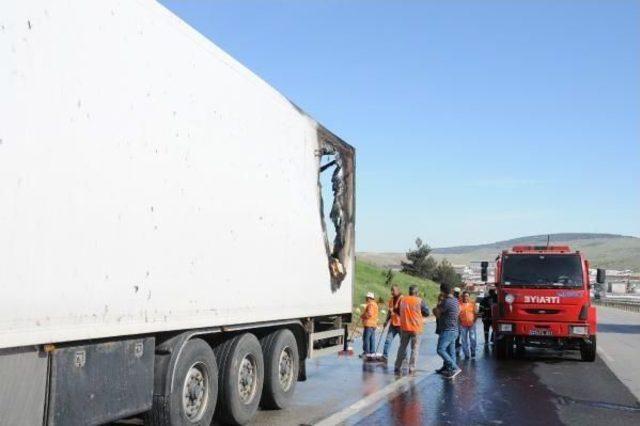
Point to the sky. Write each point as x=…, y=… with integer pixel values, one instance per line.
x=473, y=121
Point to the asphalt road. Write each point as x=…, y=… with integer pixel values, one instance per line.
x=619, y=345
x=543, y=388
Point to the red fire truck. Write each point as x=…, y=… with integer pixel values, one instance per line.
x=543, y=300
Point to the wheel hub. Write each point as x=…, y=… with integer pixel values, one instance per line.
x=195, y=393
x=247, y=379
x=286, y=368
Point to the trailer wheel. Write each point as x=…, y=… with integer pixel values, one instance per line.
x=588, y=350
x=241, y=369
x=194, y=396
x=281, y=366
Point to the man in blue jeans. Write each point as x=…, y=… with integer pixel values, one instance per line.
x=369, y=322
x=393, y=319
x=448, y=312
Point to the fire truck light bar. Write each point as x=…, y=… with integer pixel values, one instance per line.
x=552, y=249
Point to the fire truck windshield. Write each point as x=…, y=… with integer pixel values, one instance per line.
x=542, y=270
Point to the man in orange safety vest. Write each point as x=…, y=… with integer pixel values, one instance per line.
x=468, y=325
x=412, y=311
x=393, y=319
x=369, y=323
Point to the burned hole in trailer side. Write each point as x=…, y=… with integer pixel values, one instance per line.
x=335, y=186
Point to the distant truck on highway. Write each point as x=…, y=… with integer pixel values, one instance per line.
x=543, y=301
x=165, y=248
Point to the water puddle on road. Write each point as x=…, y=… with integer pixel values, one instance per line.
x=563, y=400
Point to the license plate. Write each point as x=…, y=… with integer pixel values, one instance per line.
x=540, y=332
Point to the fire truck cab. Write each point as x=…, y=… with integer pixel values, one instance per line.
x=543, y=300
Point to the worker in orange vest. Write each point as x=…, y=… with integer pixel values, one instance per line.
x=412, y=311
x=370, y=322
x=393, y=319
x=468, y=325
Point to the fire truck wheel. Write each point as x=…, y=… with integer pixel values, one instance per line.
x=520, y=351
x=504, y=347
x=588, y=350
x=501, y=348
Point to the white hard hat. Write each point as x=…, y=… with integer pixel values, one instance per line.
x=370, y=295
x=456, y=289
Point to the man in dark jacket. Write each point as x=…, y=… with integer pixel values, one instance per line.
x=485, y=313
x=448, y=311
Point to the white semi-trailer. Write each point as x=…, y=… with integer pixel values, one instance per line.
x=164, y=247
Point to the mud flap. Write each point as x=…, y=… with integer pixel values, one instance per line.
x=23, y=383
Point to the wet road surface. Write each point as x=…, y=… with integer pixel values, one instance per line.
x=540, y=389
x=543, y=388
x=619, y=345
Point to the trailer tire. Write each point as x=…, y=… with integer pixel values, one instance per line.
x=197, y=374
x=588, y=350
x=241, y=370
x=281, y=367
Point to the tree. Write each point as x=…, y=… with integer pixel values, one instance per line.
x=388, y=277
x=445, y=274
x=419, y=262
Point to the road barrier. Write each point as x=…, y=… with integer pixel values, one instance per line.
x=626, y=305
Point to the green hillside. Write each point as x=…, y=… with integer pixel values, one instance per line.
x=603, y=250
x=372, y=278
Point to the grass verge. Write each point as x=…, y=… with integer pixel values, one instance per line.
x=371, y=278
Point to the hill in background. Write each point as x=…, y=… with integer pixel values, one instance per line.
x=372, y=278
x=603, y=250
